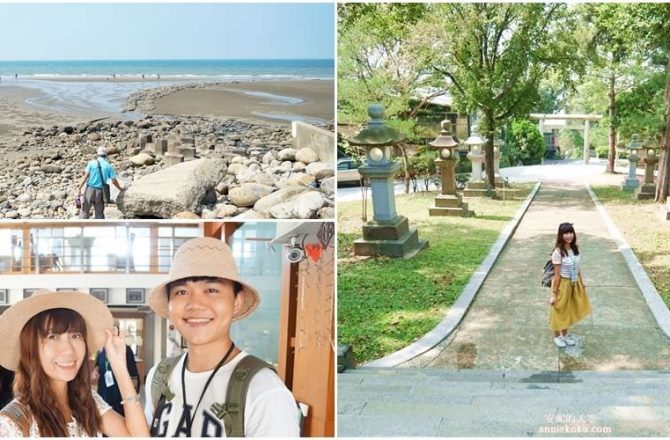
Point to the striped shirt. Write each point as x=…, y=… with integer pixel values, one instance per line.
x=569, y=264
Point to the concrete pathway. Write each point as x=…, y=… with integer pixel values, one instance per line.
x=567, y=170
x=498, y=373
x=506, y=327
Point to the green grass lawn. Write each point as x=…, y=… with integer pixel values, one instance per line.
x=648, y=235
x=384, y=304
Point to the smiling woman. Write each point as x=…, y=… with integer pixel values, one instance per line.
x=50, y=354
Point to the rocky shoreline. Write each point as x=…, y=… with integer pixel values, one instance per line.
x=237, y=169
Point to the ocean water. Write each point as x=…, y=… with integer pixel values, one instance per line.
x=88, y=87
x=218, y=70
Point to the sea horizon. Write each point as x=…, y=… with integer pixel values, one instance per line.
x=188, y=69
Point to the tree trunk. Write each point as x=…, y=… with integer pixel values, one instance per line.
x=489, y=131
x=663, y=184
x=612, y=135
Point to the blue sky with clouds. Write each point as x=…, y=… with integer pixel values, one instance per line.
x=166, y=31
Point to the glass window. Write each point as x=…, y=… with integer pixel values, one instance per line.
x=259, y=265
x=11, y=250
x=170, y=238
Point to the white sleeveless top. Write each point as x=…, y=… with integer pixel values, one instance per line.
x=569, y=264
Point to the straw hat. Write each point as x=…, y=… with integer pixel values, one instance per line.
x=204, y=257
x=96, y=316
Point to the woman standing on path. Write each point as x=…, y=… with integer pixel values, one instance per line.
x=569, y=303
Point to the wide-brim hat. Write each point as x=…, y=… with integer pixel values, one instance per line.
x=95, y=313
x=204, y=257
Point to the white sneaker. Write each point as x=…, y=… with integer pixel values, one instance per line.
x=560, y=342
x=569, y=340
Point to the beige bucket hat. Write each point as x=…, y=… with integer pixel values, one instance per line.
x=96, y=316
x=204, y=257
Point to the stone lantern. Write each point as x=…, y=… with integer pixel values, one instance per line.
x=476, y=187
x=497, y=143
x=387, y=233
x=648, y=189
x=631, y=182
x=449, y=202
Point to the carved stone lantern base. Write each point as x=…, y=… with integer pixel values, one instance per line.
x=389, y=238
x=630, y=184
x=450, y=205
x=475, y=189
x=646, y=192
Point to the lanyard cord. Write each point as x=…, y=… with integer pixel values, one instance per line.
x=209, y=380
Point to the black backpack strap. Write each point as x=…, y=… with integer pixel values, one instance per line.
x=19, y=414
x=102, y=176
x=232, y=412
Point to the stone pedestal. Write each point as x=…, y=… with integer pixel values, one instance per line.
x=631, y=183
x=648, y=189
x=449, y=203
x=476, y=184
x=172, y=159
x=391, y=238
x=475, y=189
x=388, y=233
x=477, y=159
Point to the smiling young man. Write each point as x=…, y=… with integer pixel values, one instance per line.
x=188, y=396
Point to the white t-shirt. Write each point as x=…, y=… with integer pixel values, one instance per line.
x=270, y=409
x=9, y=429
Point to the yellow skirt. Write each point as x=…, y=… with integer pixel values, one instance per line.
x=571, y=306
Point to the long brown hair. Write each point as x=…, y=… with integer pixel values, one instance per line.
x=564, y=228
x=31, y=385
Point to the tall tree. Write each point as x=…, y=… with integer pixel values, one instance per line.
x=613, y=53
x=380, y=60
x=495, y=55
x=655, y=23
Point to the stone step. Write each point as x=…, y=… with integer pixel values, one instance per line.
x=436, y=402
x=467, y=375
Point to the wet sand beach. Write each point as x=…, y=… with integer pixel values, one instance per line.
x=36, y=103
x=276, y=101
x=16, y=115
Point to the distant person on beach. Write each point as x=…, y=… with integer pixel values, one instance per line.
x=98, y=173
x=16, y=76
x=569, y=303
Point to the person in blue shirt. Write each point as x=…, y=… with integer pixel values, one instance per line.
x=98, y=172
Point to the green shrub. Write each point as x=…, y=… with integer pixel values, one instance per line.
x=464, y=166
x=422, y=165
x=525, y=144
x=462, y=179
x=602, y=151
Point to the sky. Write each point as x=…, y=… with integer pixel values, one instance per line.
x=125, y=31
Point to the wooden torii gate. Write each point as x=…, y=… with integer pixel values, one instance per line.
x=552, y=121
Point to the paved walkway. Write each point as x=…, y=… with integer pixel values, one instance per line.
x=497, y=374
x=506, y=327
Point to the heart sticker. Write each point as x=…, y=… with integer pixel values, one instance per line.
x=313, y=251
